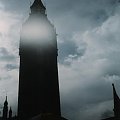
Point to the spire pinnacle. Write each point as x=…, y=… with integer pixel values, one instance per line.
x=10, y=113
x=6, y=102
x=37, y=6
x=6, y=97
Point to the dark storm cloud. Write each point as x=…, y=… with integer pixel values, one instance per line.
x=73, y=16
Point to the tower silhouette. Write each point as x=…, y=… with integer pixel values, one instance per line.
x=38, y=77
x=5, y=109
x=10, y=114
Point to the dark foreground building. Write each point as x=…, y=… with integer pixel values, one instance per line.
x=38, y=79
x=116, y=106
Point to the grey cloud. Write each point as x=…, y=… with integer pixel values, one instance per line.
x=68, y=51
x=90, y=77
x=89, y=11
x=80, y=16
x=6, y=56
x=5, y=78
x=107, y=114
x=11, y=66
x=77, y=12
x=91, y=111
x=66, y=48
x=0, y=34
x=15, y=6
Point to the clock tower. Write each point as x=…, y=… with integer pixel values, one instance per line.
x=38, y=74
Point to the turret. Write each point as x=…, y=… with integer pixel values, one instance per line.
x=10, y=114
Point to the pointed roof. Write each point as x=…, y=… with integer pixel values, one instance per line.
x=6, y=102
x=116, y=103
x=37, y=6
x=10, y=111
x=38, y=3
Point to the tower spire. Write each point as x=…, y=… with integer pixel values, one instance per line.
x=6, y=97
x=37, y=7
x=5, y=109
x=116, y=103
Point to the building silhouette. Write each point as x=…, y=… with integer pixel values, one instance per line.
x=116, y=108
x=7, y=113
x=5, y=110
x=38, y=78
x=10, y=114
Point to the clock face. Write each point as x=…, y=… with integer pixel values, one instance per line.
x=37, y=32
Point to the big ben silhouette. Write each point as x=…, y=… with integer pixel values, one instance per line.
x=38, y=77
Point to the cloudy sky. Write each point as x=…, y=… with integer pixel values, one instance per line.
x=89, y=53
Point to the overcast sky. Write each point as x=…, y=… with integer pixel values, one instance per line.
x=89, y=53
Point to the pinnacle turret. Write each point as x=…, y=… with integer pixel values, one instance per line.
x=10, y=113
